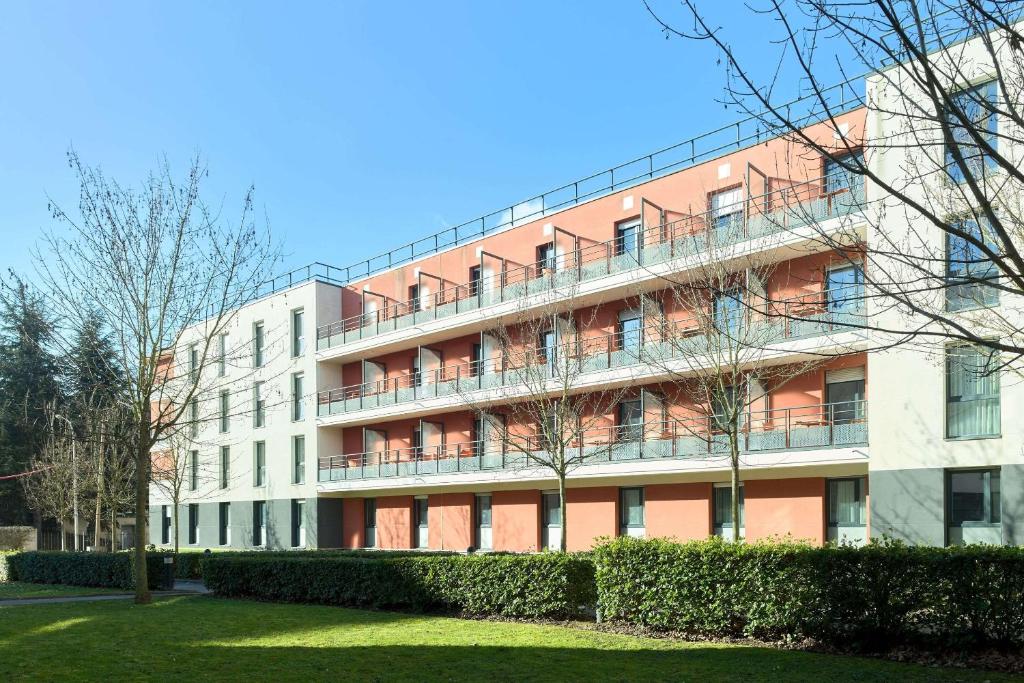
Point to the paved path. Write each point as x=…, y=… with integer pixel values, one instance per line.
x=180, y=588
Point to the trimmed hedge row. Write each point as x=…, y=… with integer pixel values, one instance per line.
x=106, y=570
x=4, y=572
x=546, y=585
x=188, y=564
x=882, y=594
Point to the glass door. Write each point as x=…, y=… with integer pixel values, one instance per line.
x=551, y=521
x=420, y=511
x=483, y=522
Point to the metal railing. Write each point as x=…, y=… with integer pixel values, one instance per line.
x=831, y=425
x=774, y=212
x=805, y=316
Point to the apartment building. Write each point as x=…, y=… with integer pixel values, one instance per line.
x=371, y=404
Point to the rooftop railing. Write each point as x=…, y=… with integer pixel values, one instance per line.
x=765, y=323
x=823, y=426
x=775, y=212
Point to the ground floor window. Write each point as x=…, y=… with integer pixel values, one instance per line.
x=298, y=523
x=421, y=523
x=483, y=522
x=165, y=524
x=370, y=521
x=722, y=504
x=551, y=521
x=847, y=510
x=259, y=522
x=631, y=512
x=193, y=524
x=224, y=523
x=973, y=502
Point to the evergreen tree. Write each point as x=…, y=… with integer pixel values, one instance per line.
x=29, y=380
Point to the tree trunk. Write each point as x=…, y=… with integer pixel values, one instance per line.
x=735, y=461
x=97, y=546
x=562, y=544
x=63, y=536
x=113, y=529
x=175, y=503
x=142, y=465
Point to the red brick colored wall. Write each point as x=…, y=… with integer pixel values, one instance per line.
x=515, y=516
x=777, y=507
x=680, y=511
x=394, y=522
x=590, y=513
x=352, y=523
x=451, y=521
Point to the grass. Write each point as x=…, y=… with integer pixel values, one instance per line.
x=15, y=590
x=201, y=638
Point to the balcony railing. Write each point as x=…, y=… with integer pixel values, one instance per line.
x=807, y=316
x=775, y=212
x=833, y=425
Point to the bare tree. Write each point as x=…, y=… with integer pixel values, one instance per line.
x=166, y=275
x=942, y=97
x=555, y=418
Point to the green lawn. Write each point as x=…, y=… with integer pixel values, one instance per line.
x=201, y=638
x=13, y=590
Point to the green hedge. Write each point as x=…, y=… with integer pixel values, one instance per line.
x=107, y=570
x=878, y=595
x=188, y=564
x=546, y=585
x=4, y=572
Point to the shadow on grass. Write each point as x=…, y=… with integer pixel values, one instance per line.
x=213, y=639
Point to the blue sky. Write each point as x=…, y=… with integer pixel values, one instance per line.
x=363, y=125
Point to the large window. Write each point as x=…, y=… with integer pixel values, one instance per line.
x=551, y=521
x=968, y=269
x=973, y=497
x=370, y=521
x=727, y=214
x=165, y=524
x=225, y=411
x=837, y=178
x=474, y=280
x=844, y=288
x=259, y=522
x=415, y=304
x=222, y=356
x=193, y=524
x=421, y=511
x=972, y=392
x=193, y=470
x=627, y=237
x=257, y=345
x=546, y=258
x=630, y=332
x=631, y=420
x=298, y=523
x=844, y=395
x=259, y=406
x=224, y=523
x=846, y=502
x=299, y=460
x=483, y=521
x=972, y=113
x=728, y=310
x=298, y=333
x=225, y=466
x=723, y=522
x=631, y=512
x=298, y=401
x=259, y=466
x=193, y=362
x=193, y=418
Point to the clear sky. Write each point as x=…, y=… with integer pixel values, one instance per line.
x=363, y=125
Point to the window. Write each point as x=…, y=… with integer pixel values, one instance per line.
x=259, y=406
x=298, y=523
x=415, y=378
x=727, y=213
x=414, y=298
x=420, y=511
x=193, y=362
x=844, y=395
x=483, y=521
x=298, y=333
x=299, y=460
x=193, y=470
x=222, y=355
x=476, y=366
x=630, y=332
x=257, y=345
x=546, y=258
x=474, y=280
x=551, y=521
x=193, y=418
x=968, y=269
x=727, y=408
x=846, y=502
x=259, y=522
x=547, y=346
x=225, y=411
x=259, y=466
x=977, y=106
x=844, y=288
x=370, y=521
x=225, y=466
x=973, y=497
x=298, y=404
x=837, y=178
x=224, y=523
x=165, y=524
x=631, y=420
x=627, y=237
x=728, y=310
x=631, y=512
x=972, y=392
x=193, y=524
x=723, y=511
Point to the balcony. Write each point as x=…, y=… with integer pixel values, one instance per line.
x=799, y=318
x=775, y=213
x=814, y=427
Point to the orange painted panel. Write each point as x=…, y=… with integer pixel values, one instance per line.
x=590, y=513
x=515, y=520
x=451, y=521
x=352, y=525
x=680, y=511
x=394, y=522
x=777, y=507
